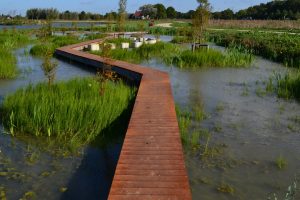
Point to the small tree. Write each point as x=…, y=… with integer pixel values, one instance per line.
x=200, y=21
x=49, y=68
x=122, y=15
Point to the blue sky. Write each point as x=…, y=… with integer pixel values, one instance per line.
x=103, y=6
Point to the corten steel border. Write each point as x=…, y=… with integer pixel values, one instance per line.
x=151, y=163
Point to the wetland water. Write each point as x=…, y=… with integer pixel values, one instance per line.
x=54, y=24
x=26, y=168
x=249, y=128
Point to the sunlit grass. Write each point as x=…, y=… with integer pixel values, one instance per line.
x=72, y=112
x=172, y=54
x=10, y=40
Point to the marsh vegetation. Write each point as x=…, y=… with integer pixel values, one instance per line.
x=73, y=113
x=9, y=41
x=172, y=54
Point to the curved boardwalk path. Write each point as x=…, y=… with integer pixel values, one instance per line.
x=151, y=164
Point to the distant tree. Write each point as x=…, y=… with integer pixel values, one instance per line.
x=200, y=21
x=122, y=15
x=171, y=13
x=148, y=10
x=227, y=14
x=82, y=16
x=161, y=11
x=52, y=14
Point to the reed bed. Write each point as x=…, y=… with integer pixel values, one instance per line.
x=172, y=54
x=51, y=43
x=72, y=112
x=286, y=86
x=256, y=24
x=10, y=40
x=284, y=48
x=8, y=68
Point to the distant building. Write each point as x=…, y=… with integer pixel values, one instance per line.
x=138, y=14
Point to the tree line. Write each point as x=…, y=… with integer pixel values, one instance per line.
x=276, y=10
x=157, y=11
x=52, y=14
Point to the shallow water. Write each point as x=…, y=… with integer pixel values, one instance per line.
x=54, y=24
x=24, y=167
x=252, y=128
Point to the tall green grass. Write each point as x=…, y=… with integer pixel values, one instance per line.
x=286, y=86
x=8, y=61
x=172, y=54
x=72, y=112
x=51, y=43
x=10, y=40
x=284, y=48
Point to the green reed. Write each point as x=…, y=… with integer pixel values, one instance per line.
x=73, y=112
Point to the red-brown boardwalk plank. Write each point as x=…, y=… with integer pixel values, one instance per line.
x=151, y=163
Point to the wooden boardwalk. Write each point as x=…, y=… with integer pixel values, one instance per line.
x=151, y=163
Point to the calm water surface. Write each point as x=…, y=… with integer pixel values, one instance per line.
x=24, y=167
x=253, y=129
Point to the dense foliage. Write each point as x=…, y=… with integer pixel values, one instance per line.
x=286, y=9
x=284, y=48
x=286, y=86
x=74, y=112
x=9, y=40
x=51, y=43
x=172, y=54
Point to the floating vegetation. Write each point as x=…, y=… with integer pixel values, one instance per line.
x=196, y=139
x=73, y=112
x=260, y=92
x=281, y=162
x=2, y=193
x=29, y=195
x=63, y=189
x=220, y=107
x=225, y=188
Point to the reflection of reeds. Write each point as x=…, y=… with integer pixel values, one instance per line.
x=72, y=112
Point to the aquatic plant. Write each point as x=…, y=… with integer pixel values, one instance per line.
x=291, y=192
x=10, y=40
x=73, y=112
x=285, y=85
x=284, y=48
x=197, y=139
x=225, y=188
x=281, y=162
x=49, y=44
x=181, y=39
x=172, y=54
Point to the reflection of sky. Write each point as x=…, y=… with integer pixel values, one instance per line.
x=103, y=6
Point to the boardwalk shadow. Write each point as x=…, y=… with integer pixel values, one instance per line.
x=93, y=178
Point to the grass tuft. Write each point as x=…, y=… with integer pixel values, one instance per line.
x=73, y=112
